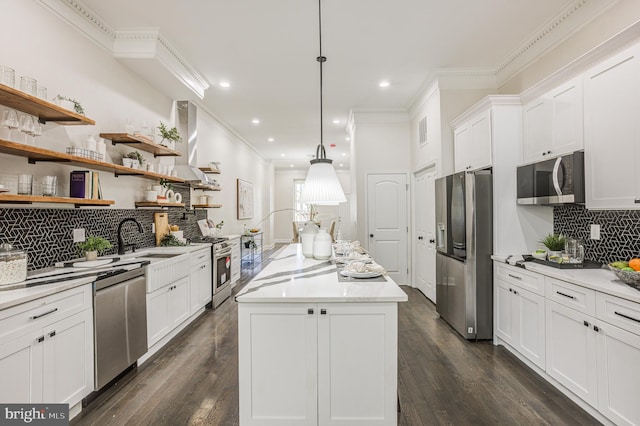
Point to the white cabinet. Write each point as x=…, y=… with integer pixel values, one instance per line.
x=553, y=123
x=200, y=279
x=519, y=315
x=472, y=143
x=318, y=364
x=51, y=358
x=167, y=308
x=235, y=260
x=612, y=132
x=571, y=350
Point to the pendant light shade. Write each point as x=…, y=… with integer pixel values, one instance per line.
x=322, y=186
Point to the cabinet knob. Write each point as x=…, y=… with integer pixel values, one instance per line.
x=323, y=312
x=548, y=152
x=544, y=153
x=40, y=339
x=432, y=241
x=421, y=238
x=53, y=333
x=586, y=324
x=370, y=235
x=310, y=311
x=596, y=328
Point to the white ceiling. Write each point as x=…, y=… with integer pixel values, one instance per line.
x=267, y=51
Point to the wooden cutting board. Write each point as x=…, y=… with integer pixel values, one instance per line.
x=161, y=221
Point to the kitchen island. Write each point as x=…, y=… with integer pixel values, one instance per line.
x=317, y=349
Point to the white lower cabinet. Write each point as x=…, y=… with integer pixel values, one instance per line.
x=167, y=308
x=51, y=361
x=318, y=364
x=200, y=280
x=571, y=351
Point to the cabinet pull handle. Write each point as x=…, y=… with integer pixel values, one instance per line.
x=637, y=201
x=515, y=292
x=626, y=316
x=44, y=314
x=515, y=276
x=40, y=339
x=596, y=329
x=510, y=290
x=566, y=295
x=203, y=266
x=323, y=312
x=586, y=324
x=310, y=311
x=53, y=333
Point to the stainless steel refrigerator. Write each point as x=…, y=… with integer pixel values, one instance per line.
x=464, y=244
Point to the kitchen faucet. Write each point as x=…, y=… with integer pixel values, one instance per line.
x=121, y=245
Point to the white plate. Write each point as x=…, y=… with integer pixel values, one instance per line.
x=353, y=274
x=4, y=189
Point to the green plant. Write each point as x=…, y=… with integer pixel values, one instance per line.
x=169, y=240
x=169, y=134
x=220, y=224
x=165, y=183
x=76, y=105
x=135, y=155
x=93, y=243
x=554, y=242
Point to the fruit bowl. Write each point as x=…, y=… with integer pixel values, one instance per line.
x=628, y=277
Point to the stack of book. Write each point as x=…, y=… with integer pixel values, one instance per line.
x=85, y=184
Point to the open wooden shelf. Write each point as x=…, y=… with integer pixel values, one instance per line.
x=44, y=110
x=140, y=142
x=204, y=187
x=28, y=199
x=206, y=206
x=209, y=170
x=157, y=205
x=35, y=154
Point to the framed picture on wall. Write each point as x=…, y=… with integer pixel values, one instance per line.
x=245, y=199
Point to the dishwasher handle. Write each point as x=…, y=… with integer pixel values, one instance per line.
x=117, y=278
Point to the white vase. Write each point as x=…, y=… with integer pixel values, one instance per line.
x=307, y=236
x=127, y=162
x=322, y=245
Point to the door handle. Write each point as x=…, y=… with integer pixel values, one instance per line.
x=370, y=235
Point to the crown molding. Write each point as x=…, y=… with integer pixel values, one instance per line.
x=484, y=104
x=135, y=47
x=364, y=115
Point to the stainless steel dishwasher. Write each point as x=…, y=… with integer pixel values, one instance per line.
x=120, y=323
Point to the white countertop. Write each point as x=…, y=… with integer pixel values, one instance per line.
x=16, y=296
x=601, y=280
x=293, y=278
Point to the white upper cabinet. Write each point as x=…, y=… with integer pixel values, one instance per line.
x=472, y=143
x=612, y=132
x=553, y=123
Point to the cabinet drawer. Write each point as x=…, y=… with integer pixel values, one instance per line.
x=44, y=311
x=520, y=277
x=571, y=295
x=199, y=257
x=623, y=313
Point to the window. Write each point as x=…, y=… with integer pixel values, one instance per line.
x=301, y=213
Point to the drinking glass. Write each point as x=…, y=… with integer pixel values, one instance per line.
x=7, y=76
x=26, y=126
x=49, y=185
x=10, y=121
x=25, y=184
x=28, y=85
x=42, y=92
x=37, y=129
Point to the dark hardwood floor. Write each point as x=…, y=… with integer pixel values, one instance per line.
x=443, y=379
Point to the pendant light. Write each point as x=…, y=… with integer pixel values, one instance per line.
x=322, y=186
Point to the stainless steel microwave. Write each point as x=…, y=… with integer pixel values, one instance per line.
x=554, y=181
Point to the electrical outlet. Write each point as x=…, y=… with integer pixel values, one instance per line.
x=595, y=232
x=470, y=330
x=153, y=228
x=78, y=235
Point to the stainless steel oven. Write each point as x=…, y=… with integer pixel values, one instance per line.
x=221, y=272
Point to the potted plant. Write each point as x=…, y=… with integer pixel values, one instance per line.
x=169, y=136
x=555, y=244
x=92, y=246
x=69, y=103
x=133, y=159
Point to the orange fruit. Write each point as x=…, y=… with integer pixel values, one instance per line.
x=635, y=264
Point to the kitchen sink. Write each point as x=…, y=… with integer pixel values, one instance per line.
x=160, y=255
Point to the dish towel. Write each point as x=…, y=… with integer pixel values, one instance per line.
x=358, y=266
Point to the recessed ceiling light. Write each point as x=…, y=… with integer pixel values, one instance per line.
x=282, y=155
x=336, y=121
x=270, y=139
x=290, y=165
x=384, y=83
x=255, y=121
x=341, y=165
x=225, y=84
x=347, y=138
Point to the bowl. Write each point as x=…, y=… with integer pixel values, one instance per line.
x=627, y=277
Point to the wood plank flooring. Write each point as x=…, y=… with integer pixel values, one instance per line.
x=443, y=379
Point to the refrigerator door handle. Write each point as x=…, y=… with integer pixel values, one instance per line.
x=556, y=180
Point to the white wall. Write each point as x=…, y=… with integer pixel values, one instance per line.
x=36, y=43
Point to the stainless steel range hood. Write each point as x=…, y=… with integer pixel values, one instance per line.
x=187, y=164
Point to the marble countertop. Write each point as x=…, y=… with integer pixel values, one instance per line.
x=601, y=280
x=12, y=296
x=293, y=278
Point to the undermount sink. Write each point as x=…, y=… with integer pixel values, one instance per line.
x=160, y=255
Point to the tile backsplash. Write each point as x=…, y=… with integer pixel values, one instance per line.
x=619, y=231
x=47, y=234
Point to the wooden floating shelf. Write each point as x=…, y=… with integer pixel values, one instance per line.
x=29, y=199
x=206, y=187
x=44, y=110
x=35, y=154
x=206, y=206
x=140, y=142
x=209, y=170
x=157, y=205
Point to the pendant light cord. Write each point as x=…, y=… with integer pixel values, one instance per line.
x=322, y=154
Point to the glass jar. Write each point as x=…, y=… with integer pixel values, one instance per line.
x=13, y=265
x=307, y=235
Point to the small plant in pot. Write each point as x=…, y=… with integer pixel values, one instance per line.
x=555, y=244
x=168, y=135
x=93, y=246
x=133, y=159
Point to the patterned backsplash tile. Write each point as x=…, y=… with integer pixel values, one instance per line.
x=46, y=234
x=619, y=231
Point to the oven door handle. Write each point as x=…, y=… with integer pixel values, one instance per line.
x=222, y=253
x=556, y=180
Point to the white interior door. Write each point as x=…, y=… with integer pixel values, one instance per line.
x=424, y=235
x=387, y=223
